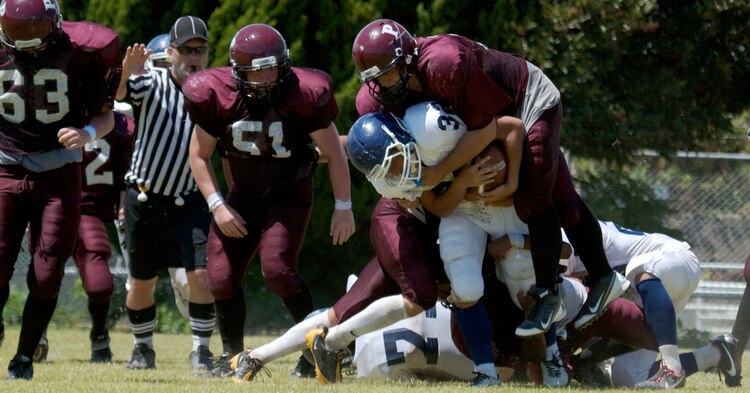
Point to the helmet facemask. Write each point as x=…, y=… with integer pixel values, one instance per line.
x=391, y=95
x=263, y=92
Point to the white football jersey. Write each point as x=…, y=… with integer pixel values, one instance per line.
x=435, y=128
x=419, y=347
x=623, y=244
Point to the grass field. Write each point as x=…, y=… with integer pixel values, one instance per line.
x=68, y=370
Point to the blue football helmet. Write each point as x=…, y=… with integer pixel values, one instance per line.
x=158, y=46
x=374, y=143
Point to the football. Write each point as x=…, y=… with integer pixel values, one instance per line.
x=497, y=158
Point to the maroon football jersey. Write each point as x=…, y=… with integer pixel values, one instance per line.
x=105, y=162
x=478, y=82
x=63, y=91
x=265, y=144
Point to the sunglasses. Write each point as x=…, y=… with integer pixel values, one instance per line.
x=198, y=50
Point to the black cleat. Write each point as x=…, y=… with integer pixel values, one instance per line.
x=222, y=366
x=601, y=293
x=730, y=364
x=304, y=369
x=546, y=310
x=20, y=368
x=327, y=362
x=202, y=359
x=42, y=349
x=100, y=351
x=143, y=358
x=483, y=380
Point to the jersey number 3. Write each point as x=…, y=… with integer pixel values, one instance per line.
x=55, y=84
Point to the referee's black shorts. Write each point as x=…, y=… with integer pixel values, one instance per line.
x=160, y=234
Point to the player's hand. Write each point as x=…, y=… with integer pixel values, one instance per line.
x=476, y=174
x=135, y=59
x=73, y=138
x=229, y=221
x=342, y=226
x=501, y=196
x=431, y=176
x=498, y=248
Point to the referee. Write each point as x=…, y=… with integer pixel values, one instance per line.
x=166, y=218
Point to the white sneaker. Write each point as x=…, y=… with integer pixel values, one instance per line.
x=554, y=373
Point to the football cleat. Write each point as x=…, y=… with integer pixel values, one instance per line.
x=554, y=373
x=246, y=367
x=222, y=366
x=100, y=351
x=546, y=310
x=143, y=358
x=20, y=368
x=327, y=362
x=601, y=293
x=665, y=378
x=42, y=349
x=201, y=359
x=303, y=369
x=730, y=364
x=484, y=380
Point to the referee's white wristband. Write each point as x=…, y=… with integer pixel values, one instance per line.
x=91, y=131
x=214, y=201
x=343, y=205
x=516, y=240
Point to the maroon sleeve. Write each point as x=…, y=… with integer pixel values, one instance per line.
x=209, y=96
x=105, y=67
x=452, y=73
x=366, y=103
x=313, y=98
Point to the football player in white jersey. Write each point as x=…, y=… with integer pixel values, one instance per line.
x=664, y=272
x=464, y=224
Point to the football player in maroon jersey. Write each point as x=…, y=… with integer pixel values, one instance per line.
x=264, y=116
x=59, y=84
x=481, y=85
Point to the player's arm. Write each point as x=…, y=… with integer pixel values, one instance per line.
x=512, y=132
x=202, y=146
x=133, y=63
x=443, y=204
x=329, y=144
x=99, y=126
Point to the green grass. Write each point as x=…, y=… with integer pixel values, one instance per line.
x=68, y=370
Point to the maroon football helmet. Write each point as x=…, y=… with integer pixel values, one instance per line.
x=379, y=47
x=29, y=28
x=259, y=47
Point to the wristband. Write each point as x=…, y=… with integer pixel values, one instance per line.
x=516, y=240
x=91, y=131
x=214, y=201
x=343, y=205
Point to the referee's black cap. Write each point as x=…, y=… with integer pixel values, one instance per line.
x=186, y=28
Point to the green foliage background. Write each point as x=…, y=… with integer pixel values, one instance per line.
x=665, y=75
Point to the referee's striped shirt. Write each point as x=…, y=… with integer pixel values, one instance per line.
x=162, y=135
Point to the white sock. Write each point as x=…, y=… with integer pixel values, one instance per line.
x=670, y=356
x=379, y=314
x=706, y=357
x=487, y=369
x=292, y=341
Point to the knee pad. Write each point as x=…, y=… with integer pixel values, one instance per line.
x=466, y=280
